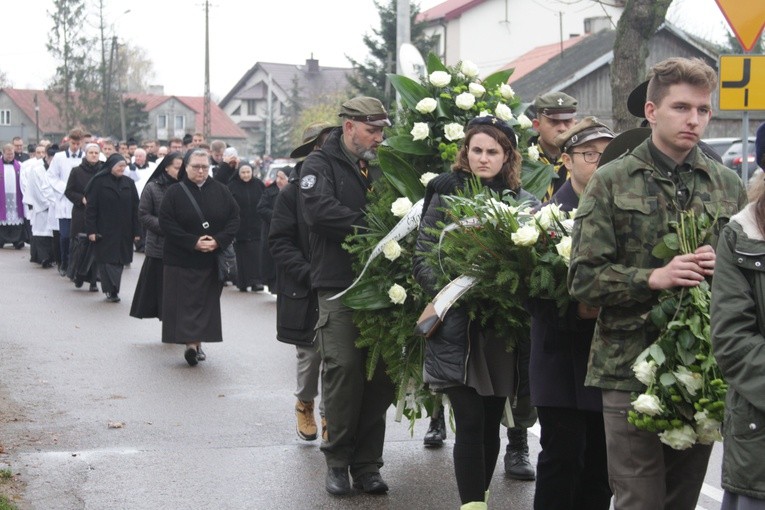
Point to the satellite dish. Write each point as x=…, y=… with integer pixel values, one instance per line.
x=410, y=62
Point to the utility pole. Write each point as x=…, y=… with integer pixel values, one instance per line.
x=403, y=30
x=270, y=118
x=206, y=118
x=37, y=118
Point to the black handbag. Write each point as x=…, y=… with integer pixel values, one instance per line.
x=225, y=257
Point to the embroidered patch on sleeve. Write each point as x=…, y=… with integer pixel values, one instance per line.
x=308, y=182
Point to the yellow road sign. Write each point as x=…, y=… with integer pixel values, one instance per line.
x=742, y=82
x=746, y=18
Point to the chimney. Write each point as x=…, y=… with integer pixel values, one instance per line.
x=158, y=90
x=312, y=65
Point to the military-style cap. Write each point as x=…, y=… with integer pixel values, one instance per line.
x=556, y=105
x=583, y=131
x=368, y=110
x=491, y=120
x=310, y=134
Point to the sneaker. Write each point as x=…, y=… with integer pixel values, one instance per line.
x=306, y=424
x=324, y=434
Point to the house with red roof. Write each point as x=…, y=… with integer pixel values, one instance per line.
x=27, y=112
x=491, y=33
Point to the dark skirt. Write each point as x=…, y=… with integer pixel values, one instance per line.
x=111, y=277
x=247, y=266
x=147, y=298
x=12, y=234
x=191, y=305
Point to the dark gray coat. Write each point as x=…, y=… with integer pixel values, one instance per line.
x=112, y=214
x=148, y=215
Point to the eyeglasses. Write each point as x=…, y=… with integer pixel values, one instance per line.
x=199, y=168
x=590, y=156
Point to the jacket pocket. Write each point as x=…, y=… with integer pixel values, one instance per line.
x=638, y=222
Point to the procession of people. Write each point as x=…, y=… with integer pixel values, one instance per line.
x=88, y=207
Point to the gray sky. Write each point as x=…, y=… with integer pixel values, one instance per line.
x=242, y=32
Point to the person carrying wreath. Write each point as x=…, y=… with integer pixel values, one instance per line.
x=479, y=384
x=623, y=214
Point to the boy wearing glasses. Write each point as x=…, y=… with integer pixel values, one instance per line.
x=623, y=214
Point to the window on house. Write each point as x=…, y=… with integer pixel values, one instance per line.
x=180, y=122
x=161, y=121
x=5, y=117
x=251, y=107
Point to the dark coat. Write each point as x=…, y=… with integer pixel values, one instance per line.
x=112, y=214
x=247, y=196
x=560, y=346
x=265, y=211
x=183, y=228
x=447, y=350
x=297, y=306
x=75, y=191
x=223, y=172
x=148, y=214
x=334, y=195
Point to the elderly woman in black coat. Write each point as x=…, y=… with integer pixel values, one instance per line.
x=479, y=384
x=111, y=221
x=191, y=292
x=247, y=191
x=147, y=298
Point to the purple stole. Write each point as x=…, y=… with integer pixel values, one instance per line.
x=19, y=204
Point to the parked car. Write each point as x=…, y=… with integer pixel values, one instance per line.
x=278, y=164
x=733, y=157
x=720, y=145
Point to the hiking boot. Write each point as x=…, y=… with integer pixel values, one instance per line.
x=324, y=434
x=306, y=424
x=517, y=465
x=436, y=431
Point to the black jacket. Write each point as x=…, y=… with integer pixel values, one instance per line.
x=112, y=214
x=447, y=350
x=75, y=190
x=148, y=214
x=183, y=228
x=297, y=307
x=560, y=346
x=247, y=195
x=334, y=195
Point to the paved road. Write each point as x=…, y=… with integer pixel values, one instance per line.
x=220, y=435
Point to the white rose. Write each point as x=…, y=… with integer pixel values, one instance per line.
x=400, y=207
x=440, y=78
x=427, y=177
x=691, y=380
x=525, y=236
x=645, y=371
x=476, y=89
x=420, y=131
x=647, y=404
x=484, y=113
x=397, y=294
x=469, y=69
x=679, y=439
x=454, y=132
x=426, y=105
x=547, y=215
x=572, y=214
x=523, y=121
x=392, y=250
x=506, y=91
x=503, y=112
x=568, y=225
x=465, y=101
x=707, y=429
x=533, y=152
x=564, y=249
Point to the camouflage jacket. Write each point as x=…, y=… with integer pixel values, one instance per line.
x=623, y=213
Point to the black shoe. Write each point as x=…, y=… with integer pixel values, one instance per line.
x=19, y=245
x=201, y=356
x=93, y=287
x=371, y=483
x=517, y=465
x=46, y=264
x=436, y=431
x=112, y=297
x=61, y=271
x=191, y=356
x=77, y=283
x=258, y=288
x=337, y=481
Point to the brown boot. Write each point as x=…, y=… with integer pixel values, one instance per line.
x=324, y=434
x=306, y=424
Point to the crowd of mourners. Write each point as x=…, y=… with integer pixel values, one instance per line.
x=86, y=206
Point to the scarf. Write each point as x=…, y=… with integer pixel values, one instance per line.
x=19, y=203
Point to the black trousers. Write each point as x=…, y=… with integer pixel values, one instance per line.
x=572, y=472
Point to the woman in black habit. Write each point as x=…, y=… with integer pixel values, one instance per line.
x=75, y=192
x=247, y=192
x=147, y=299
x=265, y=211
x=111, y=221
x=191, y=291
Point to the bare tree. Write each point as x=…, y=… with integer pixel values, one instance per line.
x=636, y=26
